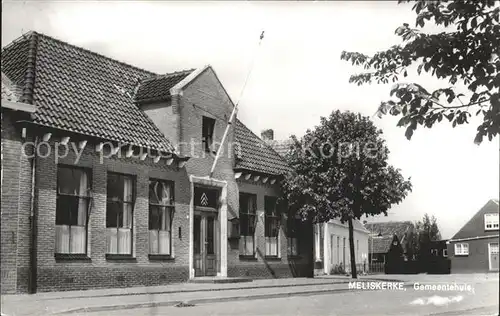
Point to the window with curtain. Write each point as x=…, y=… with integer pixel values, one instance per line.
x=248, y=219
x=119, y=214
x=293, y=234
x=72, y=209
x=272, y=226
x=161, y=211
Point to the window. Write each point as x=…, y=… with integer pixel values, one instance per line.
x=434, y=252
x=161, y=211
x=317, y=242
x=271, y=226
x=119, y=214
x=72, y=210
x=461, y=249
x=248, y=218
x=357, y=248
x=338, y=249
x=445, y=252
x=491, y=221
x=208, y=125
x=293, y=234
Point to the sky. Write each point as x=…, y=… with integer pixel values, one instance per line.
x=297, y=76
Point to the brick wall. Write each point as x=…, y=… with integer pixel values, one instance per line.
x=11, y=146
x=476, y=261
x=54, y=274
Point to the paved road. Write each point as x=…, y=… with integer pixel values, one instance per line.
x=482, y=301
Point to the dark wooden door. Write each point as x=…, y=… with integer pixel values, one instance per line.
x=205, y=256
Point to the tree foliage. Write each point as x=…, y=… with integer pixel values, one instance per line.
x=341, y=171
x=426, y=231
x=468, y=54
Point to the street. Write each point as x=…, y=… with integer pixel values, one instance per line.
x=483, y=300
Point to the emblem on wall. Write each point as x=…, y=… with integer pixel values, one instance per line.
x=204, y=199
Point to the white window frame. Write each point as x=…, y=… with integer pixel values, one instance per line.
x=251, y=215
x=275, y=217
x=463, y=250
x=491, y=221
x=445, y=252
x=166, y=206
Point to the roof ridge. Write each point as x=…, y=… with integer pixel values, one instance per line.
x=86, y=50
x=159, y=76
x=24, y=36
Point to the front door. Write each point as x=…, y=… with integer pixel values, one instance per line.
x=493, y=253
x=205, y=256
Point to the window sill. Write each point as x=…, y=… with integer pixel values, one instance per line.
x=71, y=257
x=247, y=258
x=461, y=255
x=272, y=258
x=117, y=257
x=157, y=257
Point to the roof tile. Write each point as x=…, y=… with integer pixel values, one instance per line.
x=81, y=91
x=256, y=155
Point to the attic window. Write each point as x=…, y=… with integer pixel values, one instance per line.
x=208, y=125
x=491, y=221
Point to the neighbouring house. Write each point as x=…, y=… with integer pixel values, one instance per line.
x=438, y=248
x=474, y=248
x=332, y=248
x=385, y=235
x=105, y=177
x=331, y=240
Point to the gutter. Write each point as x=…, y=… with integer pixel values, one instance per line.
x=33, y=219
x=472, y=238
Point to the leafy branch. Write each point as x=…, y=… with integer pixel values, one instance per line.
x=466, y=53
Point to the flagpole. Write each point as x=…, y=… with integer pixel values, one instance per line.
x=233, y=113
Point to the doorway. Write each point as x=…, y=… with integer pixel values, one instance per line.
x=206, y=234
x=493, y=256
x=205, y=241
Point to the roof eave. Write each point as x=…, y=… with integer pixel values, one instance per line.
x=18, y=106
x=246, y=170
x=179, y=87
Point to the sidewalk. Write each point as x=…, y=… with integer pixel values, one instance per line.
x=169, y=295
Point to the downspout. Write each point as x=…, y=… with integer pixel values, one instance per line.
x=33, y=219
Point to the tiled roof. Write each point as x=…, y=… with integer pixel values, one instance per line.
x=80, y=91
x=157, y=88
x=380, y=244
x=256, y=155
x=282, y=147
x=390, y=228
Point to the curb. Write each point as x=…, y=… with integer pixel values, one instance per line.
x=205, y=290
x=217, y=300
x=198, y=301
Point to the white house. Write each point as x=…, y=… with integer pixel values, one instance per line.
x=332, y=250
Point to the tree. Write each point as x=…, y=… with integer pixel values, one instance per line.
x=466, y=53
x=341, y=171
x=427, y=231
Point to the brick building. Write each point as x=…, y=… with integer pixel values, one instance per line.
x=105, y=177
x=474, y=248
